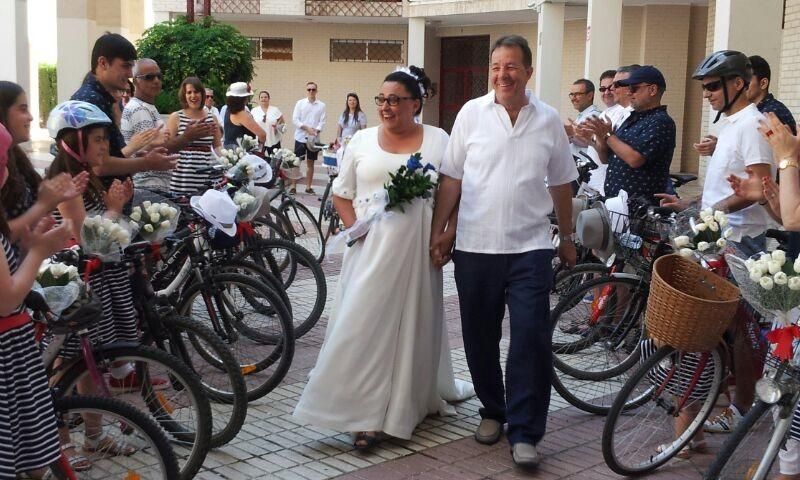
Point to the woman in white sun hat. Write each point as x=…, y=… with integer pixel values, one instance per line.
x=237, y=121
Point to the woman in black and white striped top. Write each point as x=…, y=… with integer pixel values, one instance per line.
x=27, y=421
x=197, y=154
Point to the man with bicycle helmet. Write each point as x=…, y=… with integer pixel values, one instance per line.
x=725, y=76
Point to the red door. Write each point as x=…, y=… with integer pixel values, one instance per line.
x=464, y=75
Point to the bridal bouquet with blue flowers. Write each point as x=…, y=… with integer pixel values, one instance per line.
x=410, y=181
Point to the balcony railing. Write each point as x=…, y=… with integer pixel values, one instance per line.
x=354, y=8
x=245, y=7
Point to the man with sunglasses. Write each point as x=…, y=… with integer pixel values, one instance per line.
x=210, y=105
x=309, y=120
x=605, y=88
x=639, y=152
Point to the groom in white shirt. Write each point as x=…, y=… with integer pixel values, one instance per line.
x=503, y=148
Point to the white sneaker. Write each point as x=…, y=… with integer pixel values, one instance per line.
x=725, y=422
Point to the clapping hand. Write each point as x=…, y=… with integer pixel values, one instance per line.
x=598, y=127
x=118, y=195
x=198, y=129
x=784, y=144
x=772, y=194
x=45, y=239
x=750, y=188
x=569, y=127
x=143, y=139
x=160, y=159
x=62, y=187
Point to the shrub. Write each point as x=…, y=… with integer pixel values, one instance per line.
x=212, y=51
x=48, y=91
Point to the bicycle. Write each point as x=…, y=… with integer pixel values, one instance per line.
x=328, y=218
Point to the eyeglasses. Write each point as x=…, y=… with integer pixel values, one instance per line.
x=712, y=86
x=635, y=88
x=151, y=76
x=311, y=89
x=210, y=96
x=618, y=84
x=604, y=89
x=393, y=100
x=576, y=94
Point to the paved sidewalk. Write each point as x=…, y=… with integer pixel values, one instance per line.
x=273, y=444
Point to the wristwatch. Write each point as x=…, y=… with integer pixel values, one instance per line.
x=788, y=162
x=570, y=237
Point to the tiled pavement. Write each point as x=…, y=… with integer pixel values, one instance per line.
x=273, y=444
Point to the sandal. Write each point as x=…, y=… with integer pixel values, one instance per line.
x=365, y=440
x=108, y=446
x=310, y=191
x=78, y=462
x=292, y=191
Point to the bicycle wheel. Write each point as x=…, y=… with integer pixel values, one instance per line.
x=263, y=345
x=591, y=396
x=259, y=273
x=597, y=326
x=568, y=280
x=303, y=227
x=639, y=440
x=208, y=356
x=323, y=205
x=303, y=279
x=123, y=425
x=163, y=387
x=746, y=447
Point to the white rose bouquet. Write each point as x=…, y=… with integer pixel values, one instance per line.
x=103, y=237
x=155, y=221
x=229, y=157
x=248, y=143
x=706, y=235
x=56, y=274
x=248, y=201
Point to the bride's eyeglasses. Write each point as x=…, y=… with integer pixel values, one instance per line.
x=393, y=100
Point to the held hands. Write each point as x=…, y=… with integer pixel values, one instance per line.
x=61, y=188
x=441, y=248
x=706, y=146
x=118, y=195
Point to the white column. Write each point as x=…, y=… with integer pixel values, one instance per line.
x=603, y=30
x=549, y=45
x=416, y=41
x=14, y=35
x=74, y=29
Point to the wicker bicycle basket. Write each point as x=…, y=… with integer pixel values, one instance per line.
x=689, y=307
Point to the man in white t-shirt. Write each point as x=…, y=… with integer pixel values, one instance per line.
x=140, y=114
x=725, y=75
x=309, y=120
x=506, y=147
x=210, y=105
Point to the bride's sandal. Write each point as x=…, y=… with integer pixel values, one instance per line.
x=105, y=445
x=366, y=440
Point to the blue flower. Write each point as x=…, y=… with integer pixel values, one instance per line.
x=428, y=167
x=414, y=163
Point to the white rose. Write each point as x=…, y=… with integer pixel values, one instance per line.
x=155, y=217
x=147, y=204
x=101, y=231
x=686, y=253
x=774, y=267
x=136, y=216
x=137, y=209
x=766, y=257
x=780, y=256
x=707, y=212
x=165, y=225
x=722, y=243
x=749, y=263
x=681, y=241
x=703, y=246
x=797, y=265
x=713, y=226
x=164, y=210
x=763, y=266
x=148, y=228
x=719, y=215
x=88, y=222
x=780, y=278
x=44, y=266
x=701, y=227
x=58, y=269
x=794, y=283
x=755, y=274
x=723, y=222
x=766, y=283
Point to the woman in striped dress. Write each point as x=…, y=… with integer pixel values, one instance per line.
x=196, y=155
x=27, y=421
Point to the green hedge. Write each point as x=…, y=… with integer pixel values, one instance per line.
x=48, y=91
x=212, y=51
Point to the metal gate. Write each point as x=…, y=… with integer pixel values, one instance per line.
x=464, y=75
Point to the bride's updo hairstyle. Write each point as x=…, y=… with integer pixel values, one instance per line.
x=416, y=82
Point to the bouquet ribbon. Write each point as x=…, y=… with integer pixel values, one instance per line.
x=375, y=212
x=92, y=265
x=245, y=230
x=783, y=338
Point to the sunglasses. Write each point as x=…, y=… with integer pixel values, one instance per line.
x=604, y=89
x=635, y=88
x=311, y=89
x=576, y=94
x=712, y=86
x=209, y=96
x=151, y=76
x=393, y=100
x=618, y=84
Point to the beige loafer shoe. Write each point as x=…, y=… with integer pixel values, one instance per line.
x=525, y=455
x=488, y=431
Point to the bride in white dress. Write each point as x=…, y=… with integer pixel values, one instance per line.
x=385, y=362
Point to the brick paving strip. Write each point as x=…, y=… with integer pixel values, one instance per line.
x=273, y=444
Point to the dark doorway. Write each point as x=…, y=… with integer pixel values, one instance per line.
x=464, y=75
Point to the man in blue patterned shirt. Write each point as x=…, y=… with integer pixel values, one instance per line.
x=639, y=152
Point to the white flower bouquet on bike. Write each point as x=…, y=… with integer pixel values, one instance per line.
x=155, y=220
x=105, y=238
x=705, y=235
x=59, y=284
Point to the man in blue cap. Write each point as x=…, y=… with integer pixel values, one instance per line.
x=639, y=152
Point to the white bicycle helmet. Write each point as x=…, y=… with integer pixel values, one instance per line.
x=74, y=114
